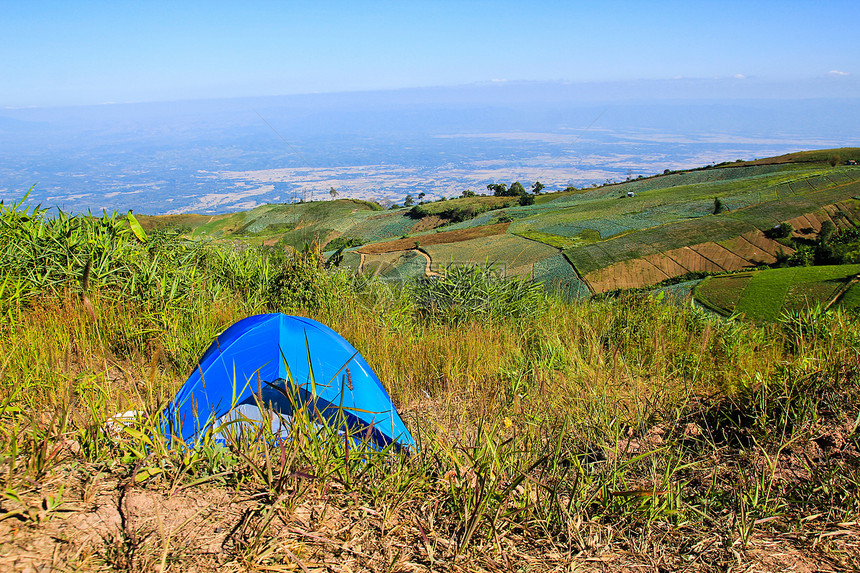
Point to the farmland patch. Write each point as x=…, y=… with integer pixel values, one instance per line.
x=625, y=275
x=722, y=293
x=764, y=295
x=559, y=241
x=744, y=248
x=558, y=276
x=435, y=239
x=693, y=261
x=409, y=265
x=397, y=265
x=517, y=255
x=351, y=260
x=666, y=265
x=427, y=223
x=381, y=226
x=838, y=216
x=679, y=293
x=721, y=256
x=771, y=247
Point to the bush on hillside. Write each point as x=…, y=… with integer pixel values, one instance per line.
x=302, y=282
x=462, y=293
x=781, y=231
x=342, y=243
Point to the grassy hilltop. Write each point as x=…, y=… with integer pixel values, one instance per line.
x=556, y=433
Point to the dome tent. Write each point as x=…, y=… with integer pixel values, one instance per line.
x=284, y=362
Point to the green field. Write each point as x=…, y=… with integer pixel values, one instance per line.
x=763, y=296
x=517, y=255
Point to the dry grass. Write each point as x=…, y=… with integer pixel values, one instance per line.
x=616, y=435
x=601, y=436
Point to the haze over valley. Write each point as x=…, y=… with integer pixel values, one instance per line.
x=223, y=155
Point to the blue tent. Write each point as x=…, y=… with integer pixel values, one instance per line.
x=280, y=362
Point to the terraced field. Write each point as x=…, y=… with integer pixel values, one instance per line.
x=583, y=241
x=764, y=295
x=396, y=265
x=446, y=237
x=558, y=276
x=516, y=256
x=736, y=241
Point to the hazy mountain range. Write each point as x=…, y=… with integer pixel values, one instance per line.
x=213, y=156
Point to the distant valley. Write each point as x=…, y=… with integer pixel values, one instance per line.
x=223, y=156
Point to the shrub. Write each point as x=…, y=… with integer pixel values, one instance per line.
x=302, y=282
x=781, y=231
x=826, y=232
x=803, y=256
x=343, y=243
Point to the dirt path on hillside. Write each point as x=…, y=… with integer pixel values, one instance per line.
x=428, y=272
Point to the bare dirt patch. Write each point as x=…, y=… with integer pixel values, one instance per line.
x=771, y=247
x=693, y=261
x=624, y=275
x=427, y=223
x=745, y=249
x=721, y=256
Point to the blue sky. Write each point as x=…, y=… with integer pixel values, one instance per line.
x=71, y=53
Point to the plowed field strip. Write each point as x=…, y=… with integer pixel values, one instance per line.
x=757, y=252
x=666, y=265
x=823, y=215
x=805, y=225
x=657, y=268
x=707, y=264
x=721, y=256
x=745, y=250
x=686, y=258
x=771, y=247
x=625, y=275
x=435, y=239
x=842, y=222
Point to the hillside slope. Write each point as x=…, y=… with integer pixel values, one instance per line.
x=617, y=236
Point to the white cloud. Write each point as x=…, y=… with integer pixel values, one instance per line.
x=740, y=77
x=838, y=73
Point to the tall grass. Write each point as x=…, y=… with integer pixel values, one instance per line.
x=565, y=430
